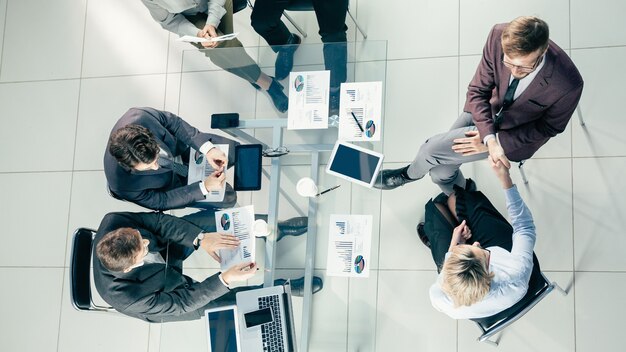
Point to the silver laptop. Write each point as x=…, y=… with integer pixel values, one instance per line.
x=265, y=318
x=261, y=321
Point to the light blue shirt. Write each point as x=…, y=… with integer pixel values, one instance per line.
x=511, y=269
x=170, y=13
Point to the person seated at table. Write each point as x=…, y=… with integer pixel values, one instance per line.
x=210, y=19
x=484, y=262
x=138, y=266
x=331, y=18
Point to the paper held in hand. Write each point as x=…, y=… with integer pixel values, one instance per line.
x=199, y=169
x=221, y=38
x=238, y=222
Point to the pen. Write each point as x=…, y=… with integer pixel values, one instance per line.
x=328, y=190
x=357, y=123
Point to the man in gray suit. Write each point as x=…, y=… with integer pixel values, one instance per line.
x=141, y=167
x=138, y=265
x=523, y=93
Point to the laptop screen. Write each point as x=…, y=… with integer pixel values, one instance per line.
x=222, y=330
x=354, y=163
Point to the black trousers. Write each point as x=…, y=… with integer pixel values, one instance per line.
x=331, y=18
x=488, y=226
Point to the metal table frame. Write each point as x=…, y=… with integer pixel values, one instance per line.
x=277, y=126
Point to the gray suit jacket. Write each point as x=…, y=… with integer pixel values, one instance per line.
x=542, y=111
x=160, y=189
x=156, y=292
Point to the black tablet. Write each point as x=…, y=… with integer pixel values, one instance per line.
x=248, y=167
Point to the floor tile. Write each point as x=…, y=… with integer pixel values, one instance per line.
x=50, y=124
x=600, y=104
x=362, y=313
x=27, y=326
x=411, y=27
x=549, y=326
x=597, y=24
x=406, y=321
x=599, y=214
x=57, y=56
x=34, y=214
x=92, y=331
x=415, y=111
x=478, y=18
x=548, y=195
x=90, y=203
x=137, y=47
x=598, y=314
x=96, y=116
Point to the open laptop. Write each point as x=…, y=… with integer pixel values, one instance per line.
x=355, y=164
x=261, y=321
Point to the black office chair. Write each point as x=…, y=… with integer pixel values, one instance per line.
x=538, y=288
x=80, y=272
x=295, y=5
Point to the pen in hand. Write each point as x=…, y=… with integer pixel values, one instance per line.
x=328, y=190
x=357, y=123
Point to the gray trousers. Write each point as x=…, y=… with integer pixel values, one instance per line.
x=437, y=157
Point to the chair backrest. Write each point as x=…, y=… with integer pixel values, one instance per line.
x=80, y=271
x=538, y=288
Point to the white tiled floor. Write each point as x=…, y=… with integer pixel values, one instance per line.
x=69, y=69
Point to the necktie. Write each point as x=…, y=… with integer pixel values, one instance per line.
x=178, y=168
x=508, y=100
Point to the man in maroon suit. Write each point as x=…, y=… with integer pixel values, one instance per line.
x=523, y=93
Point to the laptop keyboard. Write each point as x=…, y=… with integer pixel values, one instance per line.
x=272, y=333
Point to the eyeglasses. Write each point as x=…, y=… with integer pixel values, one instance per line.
x=275, y=152
x=524, y=69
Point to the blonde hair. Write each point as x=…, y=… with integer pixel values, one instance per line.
x=525, y=35
x=466, y=278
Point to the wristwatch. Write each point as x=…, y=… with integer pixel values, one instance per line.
x=196, y=242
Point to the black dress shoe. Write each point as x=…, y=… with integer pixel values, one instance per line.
x=280, y=100
x=284, y=59
x=422, y=234
x=390, y=179
x=297, y=285
x=293, y=227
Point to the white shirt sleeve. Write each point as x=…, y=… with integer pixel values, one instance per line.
x=206, y=147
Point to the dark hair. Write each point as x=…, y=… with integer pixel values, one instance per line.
x=117, y=249
x=133, y=144
x=525, y=35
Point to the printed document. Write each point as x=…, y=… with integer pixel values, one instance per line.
x=192, y=39
x=349, y=244
x=199, y=169
x=308, y=100
x=360, y=111
x=237, y=222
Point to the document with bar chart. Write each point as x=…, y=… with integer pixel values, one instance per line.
x=308, y=100
x=360, y=111
x=237, y=222
x=349, y=245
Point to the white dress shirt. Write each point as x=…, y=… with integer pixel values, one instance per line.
x=511, y=269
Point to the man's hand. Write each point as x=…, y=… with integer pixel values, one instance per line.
x=503, y=175
x=217, y=159
x=496, y=153
x=460, y=234
x=239, y=272
x=215, y=181
x=214, y=241
x=470, y=145
x=208, y=32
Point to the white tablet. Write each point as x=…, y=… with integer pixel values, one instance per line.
x=354, y=163
x=222, y=329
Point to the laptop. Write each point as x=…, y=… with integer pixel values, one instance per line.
x=262, y=321
x=355, y=164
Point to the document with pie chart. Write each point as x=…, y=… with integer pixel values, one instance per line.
x=349, y=245
x=360, y=111
x=308, y=100
x=237, y=222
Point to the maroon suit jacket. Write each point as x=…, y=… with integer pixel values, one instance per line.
x=542, y=111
